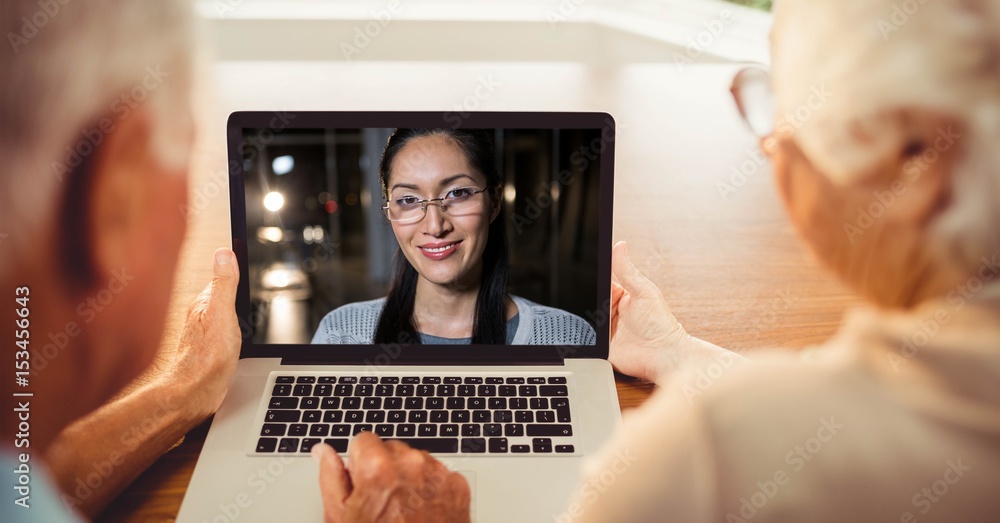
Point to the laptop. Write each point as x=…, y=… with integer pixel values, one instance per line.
x=346, y=225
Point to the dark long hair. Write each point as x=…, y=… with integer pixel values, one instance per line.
x=489, y=325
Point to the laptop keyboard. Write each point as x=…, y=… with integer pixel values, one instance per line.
x=439, y=414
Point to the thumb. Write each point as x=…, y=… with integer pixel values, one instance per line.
x=225, y=278
x=334, y=482
x=627, y=274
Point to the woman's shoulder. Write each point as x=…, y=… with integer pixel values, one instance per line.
x=553, y=326
x=354, y=321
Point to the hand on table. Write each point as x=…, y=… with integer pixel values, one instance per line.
x=389, y=482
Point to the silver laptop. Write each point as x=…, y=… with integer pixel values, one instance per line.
x=437, y=278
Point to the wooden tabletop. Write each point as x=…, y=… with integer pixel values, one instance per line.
x=692, y=198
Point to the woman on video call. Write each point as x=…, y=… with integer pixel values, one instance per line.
x=443, y=196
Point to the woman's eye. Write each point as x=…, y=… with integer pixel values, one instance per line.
x=459, y=193
x=407, y=201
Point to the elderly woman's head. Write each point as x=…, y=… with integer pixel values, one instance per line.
x=885, y=149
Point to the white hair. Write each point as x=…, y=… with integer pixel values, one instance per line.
x=73, y=71
x=875, y=56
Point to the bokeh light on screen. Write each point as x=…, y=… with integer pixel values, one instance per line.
x=283, y=165
x=331, y=206
x=273, y=201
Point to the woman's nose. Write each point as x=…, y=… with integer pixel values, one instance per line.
x=435, y=221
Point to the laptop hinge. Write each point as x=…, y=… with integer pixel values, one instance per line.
x=557, y=362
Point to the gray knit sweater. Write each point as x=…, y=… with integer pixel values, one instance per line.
x=355, y=323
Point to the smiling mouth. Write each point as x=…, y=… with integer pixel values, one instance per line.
x=439, y=250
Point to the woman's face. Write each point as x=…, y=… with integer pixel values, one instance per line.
x=445, y=249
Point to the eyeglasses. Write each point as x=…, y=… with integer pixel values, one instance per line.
x=456, y=202
x=751, y=89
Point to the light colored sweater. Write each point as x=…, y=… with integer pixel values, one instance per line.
x=355, y=323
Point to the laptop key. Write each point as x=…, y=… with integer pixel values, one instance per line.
x=361, y=427
x=327, y=379
x=306, y=379
x=425, y=390
x=445, y=390
x=473, y=380
x=486, y=390
x=515, y=381
x=513, y=430
x=302, y=390
x=557, y=380
x=553, y=390
x=284, y=379
x=283, y=403
x=319, y=429
x=267, y=444
x=393, y=403
x=520, y=449
x=518, y=404
x=343, y=390
x=460, y=416
x=368, y=379
x=498, y=403
x=456, y=403
x=323, y=390
x=454, y=380
x=375, y=416
x=539, y=403
x=466, y=390
x=340, y=430
x=384, y=390
x=414, y=403
x=503, y=416
x=498, y=445
x=389, y=379
x=281, y=390
x=492, y=429
x=536, y=380
x=481, y=416
x=431, y=380
x=507, y=390
x=288, y=445
x=417, y=416
x=311, y=402
x=406, y=430
x=471, y=430
x=528, y=390
x=338, y=444
x=474, y=445
x=558, y=403
x=439, y=445
x=427, y=430
x=434, y=403
x=282, y=416
x=494, y=381
x=439, y=416
x=308, y=444
x=524, y=416
x=383, y=430
x=449, y=430
x=348, y=379
x=564, y=448
x=562, y=415
x=354, y=416
x=542, y=445
x=550, y=430
x=312, y=416
x=397, y=416
x=372, y=403
x=298, y=429
x=404, y=390
x=545, y=416
x=410, y=379
x=333, y=416
x=364, y=389
x=351, y=404
x=273, y=429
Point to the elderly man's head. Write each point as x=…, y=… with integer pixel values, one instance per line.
x=886, y=151
x=95, y=137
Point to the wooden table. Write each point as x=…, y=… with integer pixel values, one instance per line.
x=727, y=260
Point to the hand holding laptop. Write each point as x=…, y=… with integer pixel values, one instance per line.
x=389, y=481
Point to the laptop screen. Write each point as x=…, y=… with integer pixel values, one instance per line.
x=438, y=231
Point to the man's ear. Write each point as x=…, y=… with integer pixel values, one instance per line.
x=913, y=180
x=111, y=203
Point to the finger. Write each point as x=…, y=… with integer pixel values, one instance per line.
x=617, y=291
x=225, y=279
x=627, y=274
x=334, y=483
x=367, y=456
